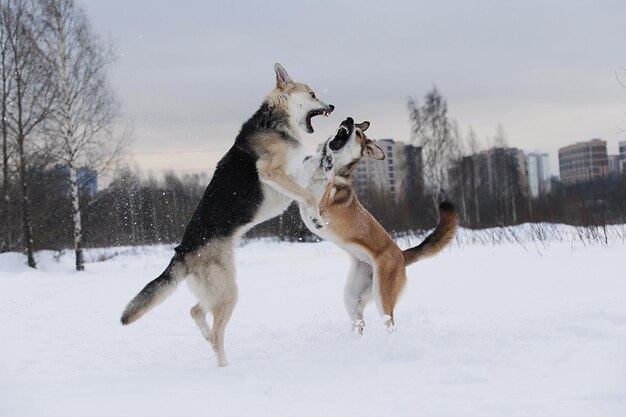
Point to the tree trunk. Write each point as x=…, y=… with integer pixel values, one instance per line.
x=155, y=226
x=514, y=209
x=6, y=197
x=5, y=244
x=475, y=188
x=26, y=217
x=78, y=232
x=476, y=208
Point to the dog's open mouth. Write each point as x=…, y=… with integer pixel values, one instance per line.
x=342, y=135
x=312, y=114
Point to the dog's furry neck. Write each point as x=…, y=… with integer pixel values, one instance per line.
x=278, y=102
x=273, y=116
x=343, y=175
x=345, y=171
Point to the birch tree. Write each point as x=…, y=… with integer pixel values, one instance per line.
x=436, y=134
x=30, y=98
x=85, y=107
x=6, y=78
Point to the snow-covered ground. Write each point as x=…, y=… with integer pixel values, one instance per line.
x=481, y=331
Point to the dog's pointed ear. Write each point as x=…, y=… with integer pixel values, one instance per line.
x=363, y=126
x=282, y=77
x=373, y=151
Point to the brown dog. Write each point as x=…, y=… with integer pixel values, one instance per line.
x=378, y=264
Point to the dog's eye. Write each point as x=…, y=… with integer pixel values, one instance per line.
x=312, y=94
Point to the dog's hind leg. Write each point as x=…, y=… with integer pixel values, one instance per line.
x=358, y=292
x=389, y=280
x=221, y=316
x=212, y=280
x=221, y=306
x=199, y=316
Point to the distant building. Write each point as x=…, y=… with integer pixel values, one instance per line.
x=615, y=165
x=622, y=155
x=87, y=179
x=394, y=176
x=497, y=174
x=486, y=171
x=505, y=160
x=583, y=162
x=538, y=173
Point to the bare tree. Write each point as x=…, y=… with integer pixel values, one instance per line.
x=86, y=108
x=6, y=78
x=436, y=134
x=31, y=96
x=620, y=76
x=500, y=139
x=473, y=147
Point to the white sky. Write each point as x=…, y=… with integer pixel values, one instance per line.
x=190, y=73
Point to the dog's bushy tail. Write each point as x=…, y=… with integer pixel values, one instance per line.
x=156, y=291
x=438, y=239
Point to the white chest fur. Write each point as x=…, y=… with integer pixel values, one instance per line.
x=274, y=202
x=295, y=159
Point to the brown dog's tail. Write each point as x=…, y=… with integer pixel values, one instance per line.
x=438, y=239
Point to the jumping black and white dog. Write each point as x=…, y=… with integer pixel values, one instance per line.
x=252, y=183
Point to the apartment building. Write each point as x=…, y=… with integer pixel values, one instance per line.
x=583, y=161
x=538, y=173
x=395, y=176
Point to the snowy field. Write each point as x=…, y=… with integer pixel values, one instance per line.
x=481, y=331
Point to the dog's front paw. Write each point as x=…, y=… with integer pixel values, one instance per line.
x=328, y=162
x=317, y=223
x=329, y=168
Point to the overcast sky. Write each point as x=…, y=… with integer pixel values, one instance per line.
x=190, y=73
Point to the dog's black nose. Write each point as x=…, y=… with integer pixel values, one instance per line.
x=331, y=107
